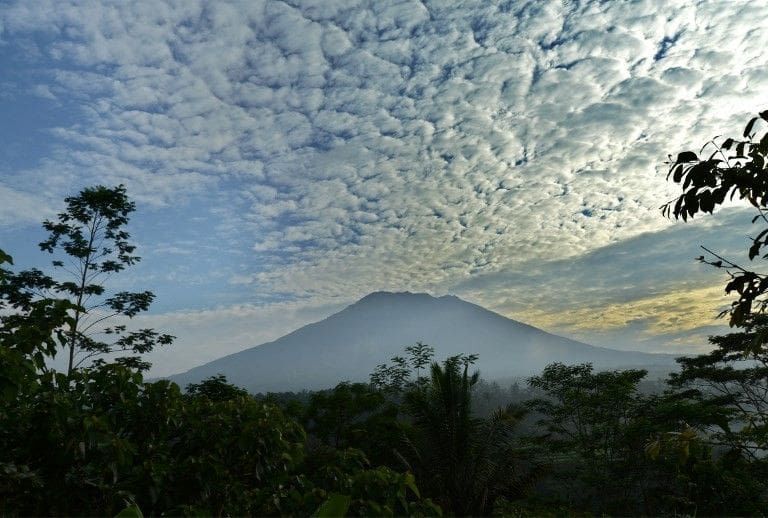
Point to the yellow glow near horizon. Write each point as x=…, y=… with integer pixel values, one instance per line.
x=672, y=312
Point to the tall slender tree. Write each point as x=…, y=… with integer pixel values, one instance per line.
x=90, y=243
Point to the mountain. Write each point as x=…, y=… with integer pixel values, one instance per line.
x=349, y=344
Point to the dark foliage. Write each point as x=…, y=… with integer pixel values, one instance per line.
x=733, y=168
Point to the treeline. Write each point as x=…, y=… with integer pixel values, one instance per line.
x=574, y=441
x=568, y=441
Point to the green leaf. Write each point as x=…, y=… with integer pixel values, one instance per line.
x=334, y=505
x=653, y=449
x=410, y=482
x=132, y=511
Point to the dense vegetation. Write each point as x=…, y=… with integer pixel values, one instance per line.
x=424, y=437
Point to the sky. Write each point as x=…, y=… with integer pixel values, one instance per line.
x=289, y=157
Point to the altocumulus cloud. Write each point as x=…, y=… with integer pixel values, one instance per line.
x=388, y=145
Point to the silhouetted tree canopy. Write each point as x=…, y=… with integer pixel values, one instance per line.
x=724, y=170
x=92, y=244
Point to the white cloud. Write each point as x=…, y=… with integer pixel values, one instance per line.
x=399, y=145
x=20, y=207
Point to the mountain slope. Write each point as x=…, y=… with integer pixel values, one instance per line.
x=349, y=344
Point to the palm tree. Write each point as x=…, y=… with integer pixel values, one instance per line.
x=463, y=461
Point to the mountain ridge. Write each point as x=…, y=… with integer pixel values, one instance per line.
x=347, y=345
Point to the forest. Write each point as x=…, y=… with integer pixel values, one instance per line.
x=424, y=437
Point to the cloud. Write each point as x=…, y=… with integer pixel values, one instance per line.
x=643, y=292
x=20, y=207
x=346, y=147
x=666, y=313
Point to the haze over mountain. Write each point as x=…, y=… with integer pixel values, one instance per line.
x=349, y=344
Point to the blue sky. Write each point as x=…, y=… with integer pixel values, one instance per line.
x=288, y=158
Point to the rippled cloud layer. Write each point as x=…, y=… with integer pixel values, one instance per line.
x=342, y=147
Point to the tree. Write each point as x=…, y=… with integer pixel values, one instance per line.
x=730, y=386
x=421, y=356
x=395, y=378
x=391, y=379
x=587, y=419
x=465, y=462
x=90, y=244
x=26, y=340
x=354, y=415
x=736, y=384
x=735, y=168
x=215, y=388
x=610, y=449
